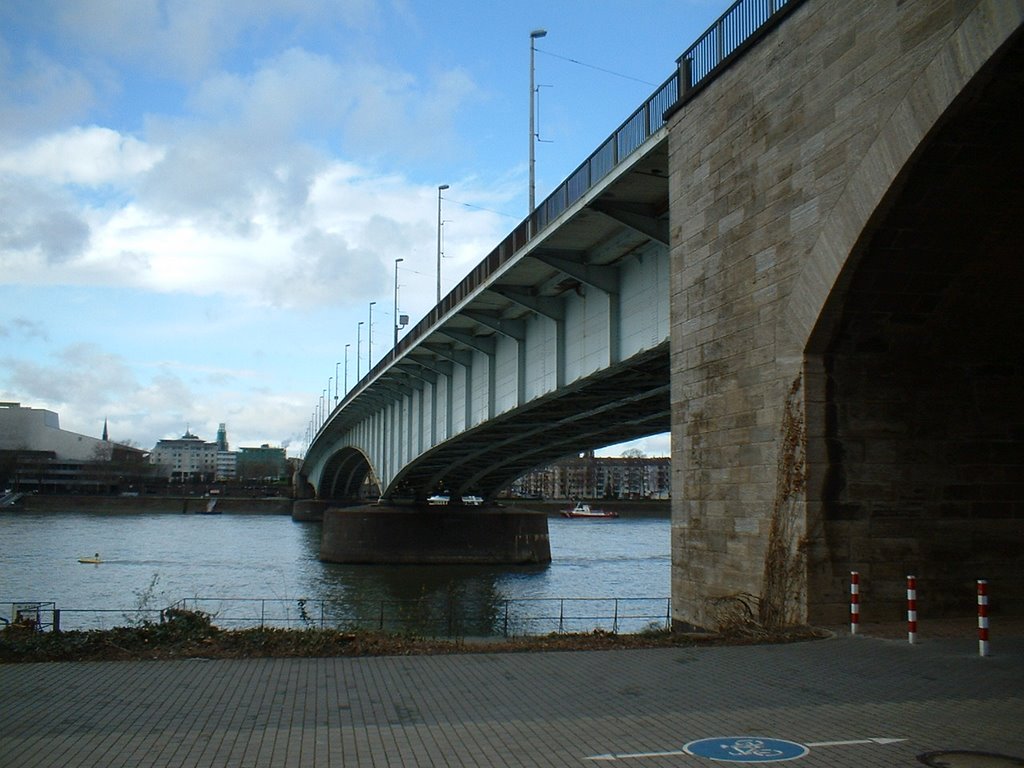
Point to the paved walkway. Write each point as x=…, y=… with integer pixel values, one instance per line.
x=842, y=698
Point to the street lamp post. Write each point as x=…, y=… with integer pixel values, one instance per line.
x=369, y=339
x=336, y=381
x=329, y=380
x=359, y=349
x=346, y=367
x=397, y=262
x=442, y=187
x=536, y=34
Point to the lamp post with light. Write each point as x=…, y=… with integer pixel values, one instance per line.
x=336, y=381
x=369, y=340
x=439, y=189
x=397, y=262
x=535, y=35
x=346, y=367
x=359, y=349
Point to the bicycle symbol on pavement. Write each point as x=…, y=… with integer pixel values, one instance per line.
x=746, y=749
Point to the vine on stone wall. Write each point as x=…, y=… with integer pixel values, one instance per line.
x=785, y=558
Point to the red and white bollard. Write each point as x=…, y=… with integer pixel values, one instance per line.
x=854, y=601
x=911, y=609
x=982, y=617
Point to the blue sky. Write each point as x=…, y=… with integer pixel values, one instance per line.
x=200, y=198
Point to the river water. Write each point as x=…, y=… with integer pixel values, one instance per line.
x=252, y=569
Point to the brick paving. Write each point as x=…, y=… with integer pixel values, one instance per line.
x=526, y=709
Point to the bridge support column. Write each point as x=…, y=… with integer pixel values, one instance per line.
x=413, y=534
x=308, y=510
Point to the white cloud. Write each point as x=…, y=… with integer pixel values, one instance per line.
x=39, y=93
x=91, y=156
x=105, y=386
x=339, y=246
x=185, y=38
x=242, y=196
x=39, y=228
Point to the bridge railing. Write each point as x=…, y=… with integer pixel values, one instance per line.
x=728, y=38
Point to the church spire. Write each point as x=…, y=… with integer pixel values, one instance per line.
x=105, y=436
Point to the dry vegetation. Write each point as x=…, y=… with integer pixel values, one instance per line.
x=190, y=634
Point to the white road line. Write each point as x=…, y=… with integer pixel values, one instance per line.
x=857, y=741
x=610, y=756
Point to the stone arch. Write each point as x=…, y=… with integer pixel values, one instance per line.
x=905, y=411
x=810, y=313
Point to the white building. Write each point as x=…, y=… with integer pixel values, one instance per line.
x=36, y=429
x=187, y=458
x=227, y=465
x=191, y=458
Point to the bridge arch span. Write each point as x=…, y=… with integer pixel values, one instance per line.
x=347, y=476
x=977, y=53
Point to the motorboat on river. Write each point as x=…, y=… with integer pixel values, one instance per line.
x=94, y=560
x=585, y=510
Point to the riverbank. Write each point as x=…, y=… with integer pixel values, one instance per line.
x=190, y=505
x=34, y=503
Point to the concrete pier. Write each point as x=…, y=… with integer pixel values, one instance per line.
x=308, y=510
x=421, y=534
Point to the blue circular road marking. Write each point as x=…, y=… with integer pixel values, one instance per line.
x=746, y=749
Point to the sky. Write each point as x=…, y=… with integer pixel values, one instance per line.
x=199, y=199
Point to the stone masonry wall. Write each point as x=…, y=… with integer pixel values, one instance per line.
x=777, y=169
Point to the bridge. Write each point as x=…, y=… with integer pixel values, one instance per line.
x=830, y=194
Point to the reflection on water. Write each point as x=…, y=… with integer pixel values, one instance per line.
x=154, y=560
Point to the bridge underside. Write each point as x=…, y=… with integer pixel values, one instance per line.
x=628, y=402
x=348, y=476
x=557, y=343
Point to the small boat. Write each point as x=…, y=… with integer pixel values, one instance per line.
x=584, y=510
x=94, y=560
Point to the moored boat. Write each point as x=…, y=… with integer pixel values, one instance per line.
x=585, y=510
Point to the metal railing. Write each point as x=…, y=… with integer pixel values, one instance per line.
x=728, y=38
x=735, y=31
x=443, y=616
x=46, y=616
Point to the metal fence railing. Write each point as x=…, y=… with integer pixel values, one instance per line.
x=739, y=24
x=432, y=617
